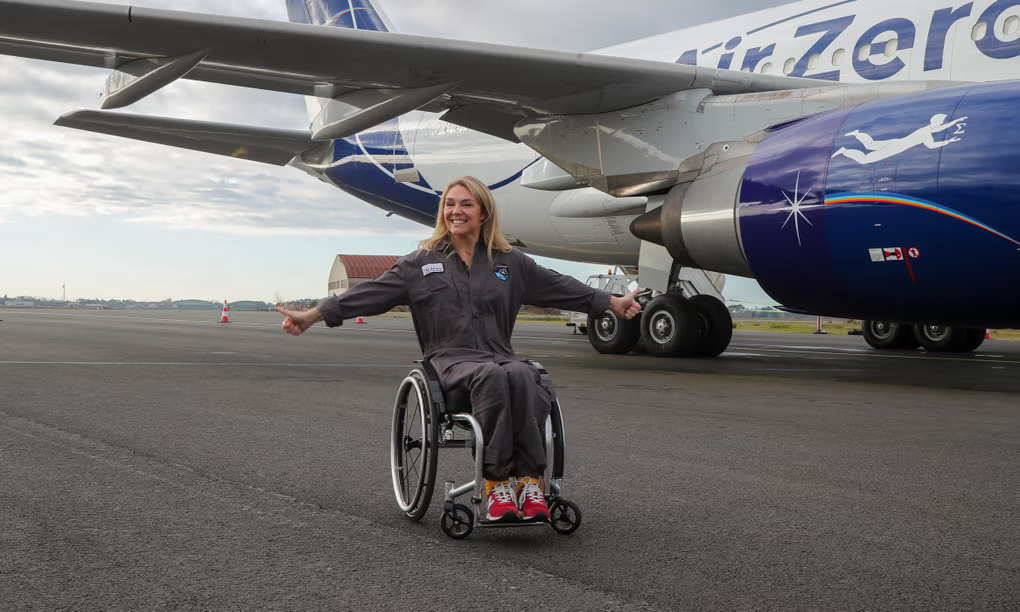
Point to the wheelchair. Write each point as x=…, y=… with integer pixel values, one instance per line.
x=426, y=420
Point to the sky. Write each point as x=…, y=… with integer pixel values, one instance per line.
x=96, y=217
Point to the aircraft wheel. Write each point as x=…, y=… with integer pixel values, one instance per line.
x=942, y=338
x=611, y=335
x=975, y=338
x=669, y=326
x=890, y=336
x=715, y=326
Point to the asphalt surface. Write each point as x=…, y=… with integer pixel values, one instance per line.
x=161, y=460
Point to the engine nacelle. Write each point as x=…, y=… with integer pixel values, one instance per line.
x=903, y=209
x=697, y=222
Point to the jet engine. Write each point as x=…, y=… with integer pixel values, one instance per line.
x=891, y=210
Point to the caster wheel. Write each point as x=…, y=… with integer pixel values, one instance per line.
x=565, y=516
x=458, y=521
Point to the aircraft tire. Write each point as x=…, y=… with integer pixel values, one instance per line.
x=610, y=335
x=889, y=336
x=714, y=328
x=975, y=338
x=669, y=326
x=942, y=338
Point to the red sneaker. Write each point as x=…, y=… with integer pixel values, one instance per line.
x=500, y=504
x=531, y=499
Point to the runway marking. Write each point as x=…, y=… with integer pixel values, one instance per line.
x=207, y=364
x=812, y=369
x=866, y=353
x=157, y=319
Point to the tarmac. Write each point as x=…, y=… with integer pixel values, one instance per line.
x=157, y=459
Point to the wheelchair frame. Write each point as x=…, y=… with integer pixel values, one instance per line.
x=424, y=422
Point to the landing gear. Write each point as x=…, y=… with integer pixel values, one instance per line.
x=889, y=336
x=932, y=338
x=611, y=335
x=949, y=339
x=976, y=339
x=668, y=326
x=689, y=319
x=674, y=326
x=715, y=326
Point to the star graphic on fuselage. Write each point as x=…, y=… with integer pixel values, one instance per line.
x=797, y=208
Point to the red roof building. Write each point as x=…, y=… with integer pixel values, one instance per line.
x=350, y=270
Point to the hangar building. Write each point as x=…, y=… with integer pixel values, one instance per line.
x=350, y=270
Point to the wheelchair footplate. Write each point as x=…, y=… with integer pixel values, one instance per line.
x=459, y=520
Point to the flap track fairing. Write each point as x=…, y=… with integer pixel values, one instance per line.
x=136, y=79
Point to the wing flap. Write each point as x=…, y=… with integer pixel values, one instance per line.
x=266, y=145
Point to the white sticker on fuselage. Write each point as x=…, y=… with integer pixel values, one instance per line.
x=431, y=268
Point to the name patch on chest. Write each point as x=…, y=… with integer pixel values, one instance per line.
x=502, y=271
x=432, y=268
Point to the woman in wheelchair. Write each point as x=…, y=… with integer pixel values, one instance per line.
x=465, y=286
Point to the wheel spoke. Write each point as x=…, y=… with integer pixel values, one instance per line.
x=409, y=474
x=409, y=423
x=414, y=462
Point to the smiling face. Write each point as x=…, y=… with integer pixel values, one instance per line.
x=463, y=215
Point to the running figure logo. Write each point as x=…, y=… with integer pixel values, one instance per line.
x=878, y=150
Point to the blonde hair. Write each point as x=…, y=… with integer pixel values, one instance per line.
x=491, y=233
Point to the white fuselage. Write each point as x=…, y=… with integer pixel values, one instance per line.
x=849, y=41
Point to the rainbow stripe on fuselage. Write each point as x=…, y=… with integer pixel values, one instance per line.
x=904, y=200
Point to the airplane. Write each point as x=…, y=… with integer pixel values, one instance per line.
x=857, y=158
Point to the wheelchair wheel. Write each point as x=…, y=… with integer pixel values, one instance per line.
x=565, y=516
x=458, y=522
x=414, y=446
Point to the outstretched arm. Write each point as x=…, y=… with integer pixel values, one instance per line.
x=371, y=298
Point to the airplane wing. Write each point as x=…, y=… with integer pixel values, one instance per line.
x=486, y=87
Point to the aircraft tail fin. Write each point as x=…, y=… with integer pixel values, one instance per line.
x=351, y=14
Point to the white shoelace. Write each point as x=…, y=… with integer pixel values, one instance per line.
x=501, y=493
x=532, y=493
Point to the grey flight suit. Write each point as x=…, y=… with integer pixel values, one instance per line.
x=464, y=319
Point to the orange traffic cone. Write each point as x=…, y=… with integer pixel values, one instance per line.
x=988, y=334
x=360, y=320
x=226, y=317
